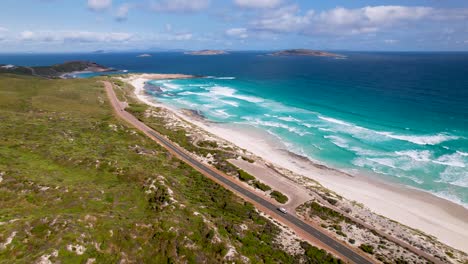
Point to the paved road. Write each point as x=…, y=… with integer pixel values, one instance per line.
x=290, y=219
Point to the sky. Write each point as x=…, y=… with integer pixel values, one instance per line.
x=128, y=25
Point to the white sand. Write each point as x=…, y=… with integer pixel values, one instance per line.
x=420, y=210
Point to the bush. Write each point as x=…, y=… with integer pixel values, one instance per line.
x=351, y=241
x=279, y=197
x=261, y=186
x=367, y=248
x=325, y=213
x=208, y=144
x=248, y=160
x=244, y=176
x=332, y=201
x=136, y=108
x=316, y=255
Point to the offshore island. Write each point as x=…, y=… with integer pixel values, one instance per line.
x=207, y=52
x=306, y=52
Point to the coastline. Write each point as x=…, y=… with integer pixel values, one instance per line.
x=414, y=208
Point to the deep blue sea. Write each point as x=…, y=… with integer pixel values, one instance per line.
x=399, y=116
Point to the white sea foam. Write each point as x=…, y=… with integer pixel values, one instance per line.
x=187, y=93
x=186, y=103
x=259, y=122
x=417, y=155
x=368, y=134
x=420, y=140
x=289, y=119
x=200, y=85
x=225, y=78
x=384, y=161
x=367, y=152
x=447, y=195
x=222, y=113
x=340, y=142
x=462, y=153
x=454, y=176
x=231, y=103
x=229, y=92
x=336, y=121
x=172, y=86
x=454, y=160
x=220, y=78
x=326, y=129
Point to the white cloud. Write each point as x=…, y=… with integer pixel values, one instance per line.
x=74, y=36
x=237, y=32
x=285, y=19
x=258, y=3
x=122, y=12
x=367, y=19
x=2, y=29
x=339, y=20
x=179, y=5
x=391, y=41
x=180, y=37
x=98, y=5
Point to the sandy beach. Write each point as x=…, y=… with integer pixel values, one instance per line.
x=445, y=220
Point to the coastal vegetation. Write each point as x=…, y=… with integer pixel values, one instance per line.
x=279, y=197
x=244, y=176
x=78, y=185
x=367, y=248
x=54, y=71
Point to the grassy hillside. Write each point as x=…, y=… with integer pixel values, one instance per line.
x=53, y=71
x=77, y=185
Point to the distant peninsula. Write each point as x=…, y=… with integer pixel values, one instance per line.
x=306, y=52
x=207, y=52
x=63, y=70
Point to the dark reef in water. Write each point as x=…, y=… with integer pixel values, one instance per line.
x=196, y=114
x=152, y=89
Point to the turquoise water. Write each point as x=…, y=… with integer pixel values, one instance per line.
x=399, y=116
x=338, y=125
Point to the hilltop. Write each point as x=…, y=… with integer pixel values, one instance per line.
x=306, y=52
x=55, y=71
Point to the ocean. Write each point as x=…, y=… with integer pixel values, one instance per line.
x=402, y=117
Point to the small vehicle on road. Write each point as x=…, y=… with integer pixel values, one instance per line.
x=282, y=210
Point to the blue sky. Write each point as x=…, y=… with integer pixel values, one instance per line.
x=88, y=25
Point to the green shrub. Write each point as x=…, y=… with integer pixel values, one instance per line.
x=248, y=160
x=261, y=186
x=244, y=176
x=325, y=213
x=367, y=248
x=208, y=144
x=279, y=197
x=318, y=256
x=136, y=108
